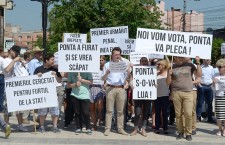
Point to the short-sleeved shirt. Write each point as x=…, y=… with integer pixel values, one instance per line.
x=42, y=69
x=32, y=65
x=5, y=63
x=182, y=77
x=82, y=92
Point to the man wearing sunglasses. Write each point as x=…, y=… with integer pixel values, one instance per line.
x=205, y=92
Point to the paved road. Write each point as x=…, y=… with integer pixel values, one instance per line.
x=205, y=136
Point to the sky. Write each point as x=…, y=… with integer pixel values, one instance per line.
x=27, y=14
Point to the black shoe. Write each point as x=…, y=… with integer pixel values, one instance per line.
x=166, y=132
x=188, y=137
x=193, y=132
x=157, y=131
x=66, y=126
x=180, y=136
x=211, y=121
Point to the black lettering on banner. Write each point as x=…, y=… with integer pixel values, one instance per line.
x=159, y=47
x=21, y=102
x=203, y=40
x=78, y=67
x=137, y=83
x=158, y=36
x=28, y=101
x=75, y=35
x=128, y=46
x=106, y=50
x=85, y=57
x=176, y=38
x=74, y=40
x=129, y=41
x=118, y=30
x=22, y=92
x=43, y=80
x=38, y=100
x=40, y=91
x=144, y=94
x=71, y=57
x=177, y=49
x=78, y=47
x=108, y=41
x=143, y=34
x=144, y=71
x=99, y=32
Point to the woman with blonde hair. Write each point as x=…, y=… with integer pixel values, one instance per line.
x=162, y=101
x=220, y=97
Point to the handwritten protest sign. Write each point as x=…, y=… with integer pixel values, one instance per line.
x=78, y=57
x=108, y=38
x=220, y=85
x=223, y=48
x=127, y=46
x=74, y=38
x=144, y=82
x=174, y=43
x=97, y=78
x=118, y=67
x=31, y=92
x=136, y=56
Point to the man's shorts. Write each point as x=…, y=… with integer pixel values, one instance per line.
x=51, y=110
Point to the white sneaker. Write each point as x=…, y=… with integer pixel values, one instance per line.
x=22, y=128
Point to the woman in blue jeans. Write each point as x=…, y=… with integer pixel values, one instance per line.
x=162, y=101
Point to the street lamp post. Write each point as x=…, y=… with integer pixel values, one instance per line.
x=44, y=21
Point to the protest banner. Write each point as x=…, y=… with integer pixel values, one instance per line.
x=136, y=56
x=108, y=38
x=222, y=48
x=220, y=85
x=97, y=78
x=174, y=43
x=158, y=56
x=117, y=67
x=144, y=82
x=31, y=92
x=127, y=46
x=74, y=38
x=79, y=57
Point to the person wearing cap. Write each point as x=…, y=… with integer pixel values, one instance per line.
x=9, y=67
x=36, y=61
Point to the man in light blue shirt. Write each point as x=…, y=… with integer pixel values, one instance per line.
x=205, y=92
x=35, y=62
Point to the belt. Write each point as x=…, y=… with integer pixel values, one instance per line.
x=206, y=85
x=94, y=85
x=119, y=86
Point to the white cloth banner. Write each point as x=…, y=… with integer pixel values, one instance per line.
x=144, y=82
x=127, y=46
x=118, y=67
x=108, y=38
x=74, y=38
x=174, y=43
x=31, y=92
x=78, y=57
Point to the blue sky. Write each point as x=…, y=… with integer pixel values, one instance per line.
x=27, y=14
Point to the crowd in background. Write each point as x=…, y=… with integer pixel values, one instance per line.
x=182, y=87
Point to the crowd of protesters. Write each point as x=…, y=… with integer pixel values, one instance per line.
x=182, y=87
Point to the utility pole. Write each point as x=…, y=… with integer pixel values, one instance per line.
x=172, y=18
x=184, y=15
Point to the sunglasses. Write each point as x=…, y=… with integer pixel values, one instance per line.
x=219, y=67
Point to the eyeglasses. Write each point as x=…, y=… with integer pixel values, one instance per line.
x=219, y=67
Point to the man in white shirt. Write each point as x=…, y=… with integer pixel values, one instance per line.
x=10, y=64
x=115, y=93
x=205, y=92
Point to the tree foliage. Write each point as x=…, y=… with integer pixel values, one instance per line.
x=79, y=16
x=216, y=49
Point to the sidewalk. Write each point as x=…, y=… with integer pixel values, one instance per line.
x=205, y=136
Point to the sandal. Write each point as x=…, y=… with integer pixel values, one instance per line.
x=143, y=132
x=133, y=133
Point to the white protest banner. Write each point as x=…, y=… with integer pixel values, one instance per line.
x=74, y=38
x=79, y=57
x=108, y=38
x=223, y=48
x=174, y=43
x=136, y=56
x=127, y=46
x=31, y=92
x=117, y=67
x=97, y=78
x=144, y=82
x=158, y=56
x=220, y=85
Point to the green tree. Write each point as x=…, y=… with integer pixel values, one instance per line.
x=79, y=16
x=216, y=49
